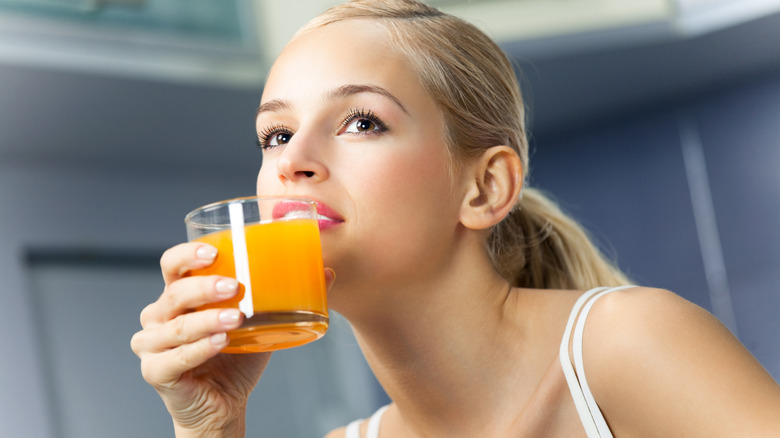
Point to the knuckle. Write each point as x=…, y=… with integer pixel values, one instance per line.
x=152, y=373
x=171, y=258
x=179, y=329
x=172, y=299
x=165, y=258
x=148, y=372
x=135, y=343
x=184, y=358
x=145, y=316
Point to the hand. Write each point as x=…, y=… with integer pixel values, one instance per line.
x=205, y=392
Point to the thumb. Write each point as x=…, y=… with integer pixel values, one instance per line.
x=330, y=278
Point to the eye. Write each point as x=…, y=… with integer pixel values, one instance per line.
x=360, y=126
x=362, y=122
x=278, y=139
x=273, y=136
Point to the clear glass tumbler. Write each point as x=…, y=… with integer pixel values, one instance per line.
x=271, y=245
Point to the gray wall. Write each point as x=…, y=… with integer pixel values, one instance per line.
x=627, y=179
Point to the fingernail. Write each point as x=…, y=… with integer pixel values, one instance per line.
x=218, y=338
x=227, y=287
x=206, y=252
x=229, y=316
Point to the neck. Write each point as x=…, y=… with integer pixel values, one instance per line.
x=447, y=349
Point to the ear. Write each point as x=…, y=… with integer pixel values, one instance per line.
x=493, y=183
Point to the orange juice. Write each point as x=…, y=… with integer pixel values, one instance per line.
x=286, y=281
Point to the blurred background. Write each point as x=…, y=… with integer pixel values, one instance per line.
x=654, y=122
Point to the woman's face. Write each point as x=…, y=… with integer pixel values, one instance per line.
x=344, y=120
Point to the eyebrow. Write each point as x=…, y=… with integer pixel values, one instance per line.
x=275, y=105
x=341, y=92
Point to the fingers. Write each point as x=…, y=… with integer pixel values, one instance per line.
x=185, y=329
x=184, y=295
x=189, y=293
x=176, y=261
x=183, y=343
x=164, y=369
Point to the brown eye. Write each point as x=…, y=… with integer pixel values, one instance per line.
x=364, y=125
x=280, y=139
x=360, y=126
x=362, y=122
x=273, y=137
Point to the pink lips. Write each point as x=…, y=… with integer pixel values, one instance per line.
x=326, y=216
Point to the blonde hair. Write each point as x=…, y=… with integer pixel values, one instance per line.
x=474, y=85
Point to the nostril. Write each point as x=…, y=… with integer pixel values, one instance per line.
x=308, y=173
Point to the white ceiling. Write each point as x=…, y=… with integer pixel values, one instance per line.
x=39, y=36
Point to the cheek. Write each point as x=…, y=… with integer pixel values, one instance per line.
x=265, y=179
x=407, y=216
x=409, y=192
x=425, y=177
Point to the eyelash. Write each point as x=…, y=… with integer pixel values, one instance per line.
x=268, y=132
x=354, y=114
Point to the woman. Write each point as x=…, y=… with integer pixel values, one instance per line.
x=460, y=283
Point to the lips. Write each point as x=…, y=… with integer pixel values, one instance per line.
x=326, y=216
x=291, y=209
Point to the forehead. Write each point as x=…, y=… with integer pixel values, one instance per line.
x=356, y=51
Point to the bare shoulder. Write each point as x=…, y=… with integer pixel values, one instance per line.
x=646, y=313
x=653, y=322
x=660, y=365
x=341, y=432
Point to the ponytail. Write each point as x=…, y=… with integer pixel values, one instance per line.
x=538, y=246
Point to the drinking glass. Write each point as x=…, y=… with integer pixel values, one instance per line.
x=271, y=245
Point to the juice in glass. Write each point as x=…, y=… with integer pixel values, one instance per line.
x=281, y=269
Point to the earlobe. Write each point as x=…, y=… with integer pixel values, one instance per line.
x=493, y=187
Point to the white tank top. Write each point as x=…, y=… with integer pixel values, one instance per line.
x=353, y=429
x=590, y=415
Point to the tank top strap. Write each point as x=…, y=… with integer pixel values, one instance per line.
x=372, y=431
x=590, y=415
x=353, y=429
x=375, y=421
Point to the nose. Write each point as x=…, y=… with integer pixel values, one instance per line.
x=301, y=160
